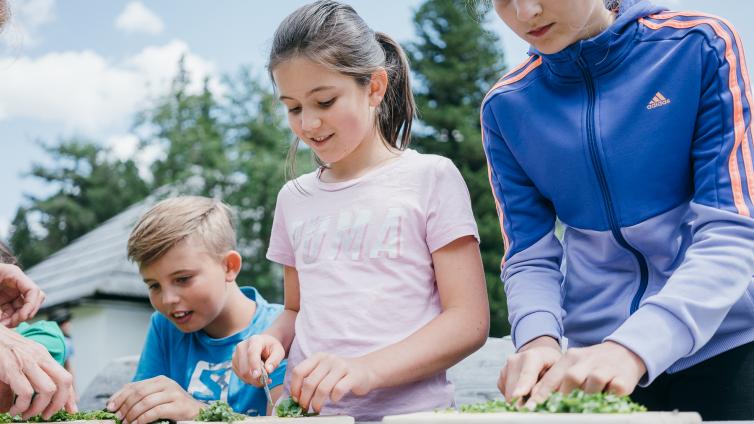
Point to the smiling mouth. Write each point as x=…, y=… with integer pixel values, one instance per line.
x=320, y=140
x=540, y=31
x=181, y=316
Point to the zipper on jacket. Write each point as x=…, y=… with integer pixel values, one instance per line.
x=607, y=200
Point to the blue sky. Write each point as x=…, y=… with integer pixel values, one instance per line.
x=83, y=67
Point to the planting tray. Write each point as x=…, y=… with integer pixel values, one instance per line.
x=545, y=418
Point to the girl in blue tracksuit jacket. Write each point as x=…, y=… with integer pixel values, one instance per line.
x=632, y=126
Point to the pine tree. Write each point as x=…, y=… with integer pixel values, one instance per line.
x=455, y=62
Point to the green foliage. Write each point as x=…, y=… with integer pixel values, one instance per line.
x=575, y=402
x=219, y=411
x=291, y=409
x=90, y=187
x=455, y=62
x=62, y=415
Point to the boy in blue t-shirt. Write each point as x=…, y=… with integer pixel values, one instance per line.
x=185, y=249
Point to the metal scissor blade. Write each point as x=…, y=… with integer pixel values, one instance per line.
x=266, y=382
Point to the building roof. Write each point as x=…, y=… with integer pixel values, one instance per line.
x=94, y=264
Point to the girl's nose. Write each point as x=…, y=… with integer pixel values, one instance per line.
x=310, y=122
x=527, y=10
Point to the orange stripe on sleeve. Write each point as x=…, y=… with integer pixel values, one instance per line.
x=739, y=126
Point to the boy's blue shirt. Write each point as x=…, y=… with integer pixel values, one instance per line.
x=202, y=366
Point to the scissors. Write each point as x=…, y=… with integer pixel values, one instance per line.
x=266, y=381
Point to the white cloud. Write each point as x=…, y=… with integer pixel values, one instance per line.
x=27, y=16
x=89, y=95
x=138, y=18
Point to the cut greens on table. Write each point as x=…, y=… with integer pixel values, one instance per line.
x=219, y=411
x=62, y=416
x=575, y=402
x=289, y=408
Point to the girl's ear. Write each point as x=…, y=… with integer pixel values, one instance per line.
x=232, y=265
x=377, y=87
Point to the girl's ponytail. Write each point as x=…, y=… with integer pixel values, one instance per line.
x=397, y=110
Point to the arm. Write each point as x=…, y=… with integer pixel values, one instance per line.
x=271, y=347
x=464, y=320
x=531, y=266
x=719, y=263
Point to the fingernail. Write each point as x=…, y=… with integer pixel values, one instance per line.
x=119, y=415
x=270, y=367
x=256, y=374
x=110, y=406
x=530, y=405
x=294, y=399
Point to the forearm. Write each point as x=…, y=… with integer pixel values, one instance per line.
x=450, y=337
x=284, y=328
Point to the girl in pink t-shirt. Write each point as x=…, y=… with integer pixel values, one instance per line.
x=384, y=286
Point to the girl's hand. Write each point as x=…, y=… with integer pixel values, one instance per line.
x=607, y=366
x=523, y=369
x=20, y=298
x=325, y=377
x=253, y=353
x=158, y=398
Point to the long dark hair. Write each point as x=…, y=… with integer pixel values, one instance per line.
x=333, y=35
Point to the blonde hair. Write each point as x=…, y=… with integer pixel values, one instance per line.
x=173, y=220
x=4, y=13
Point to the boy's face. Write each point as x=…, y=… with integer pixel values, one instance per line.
x=189, y=286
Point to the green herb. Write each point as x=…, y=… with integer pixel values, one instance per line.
x=291, y=409
x=62, y=415
x=219, y=411
x=575, y=402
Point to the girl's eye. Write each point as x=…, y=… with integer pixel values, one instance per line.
x=153, y=287
x=327, y=103
x=294, y=110
x=183, y=279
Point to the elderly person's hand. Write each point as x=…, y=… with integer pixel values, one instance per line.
x=27, y=370
x=20, y=298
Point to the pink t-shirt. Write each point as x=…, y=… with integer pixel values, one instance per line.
x=363, y=252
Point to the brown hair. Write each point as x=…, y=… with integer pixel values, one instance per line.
x=173, y=220
x=6, y=255
x=4, y=13
x=333, y=35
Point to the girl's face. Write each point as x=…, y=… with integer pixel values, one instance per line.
x=327, y=110
x=552, y=25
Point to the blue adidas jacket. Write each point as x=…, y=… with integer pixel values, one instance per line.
x=639, y=141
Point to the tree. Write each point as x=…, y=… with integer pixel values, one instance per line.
x=91, y=187
x=231, y=148
x=455, y=62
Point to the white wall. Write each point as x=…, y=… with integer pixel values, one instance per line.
x=103, y=330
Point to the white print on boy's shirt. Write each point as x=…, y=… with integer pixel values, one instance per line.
x=210, y=381
x=344, y=239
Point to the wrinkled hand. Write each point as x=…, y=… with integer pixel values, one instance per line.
x=324, y=376
x=253, y=353
x=20, y=298
x=27, y=370
x=158, y=398
x=523, y=369
x=607, y=367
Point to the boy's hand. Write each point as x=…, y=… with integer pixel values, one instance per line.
x=607, y=366
x=325, y=377
x=41, y=385
x=523, y=369
x=20, y=298
x=253, y=353
x=153, y=399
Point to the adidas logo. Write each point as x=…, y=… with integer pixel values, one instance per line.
x=657, y=101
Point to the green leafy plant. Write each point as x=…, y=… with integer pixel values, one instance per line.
x=291, y=409
x=62, y=415
x=219, y=411
x=575, y=402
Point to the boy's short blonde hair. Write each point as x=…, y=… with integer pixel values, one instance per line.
x=173, y=220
